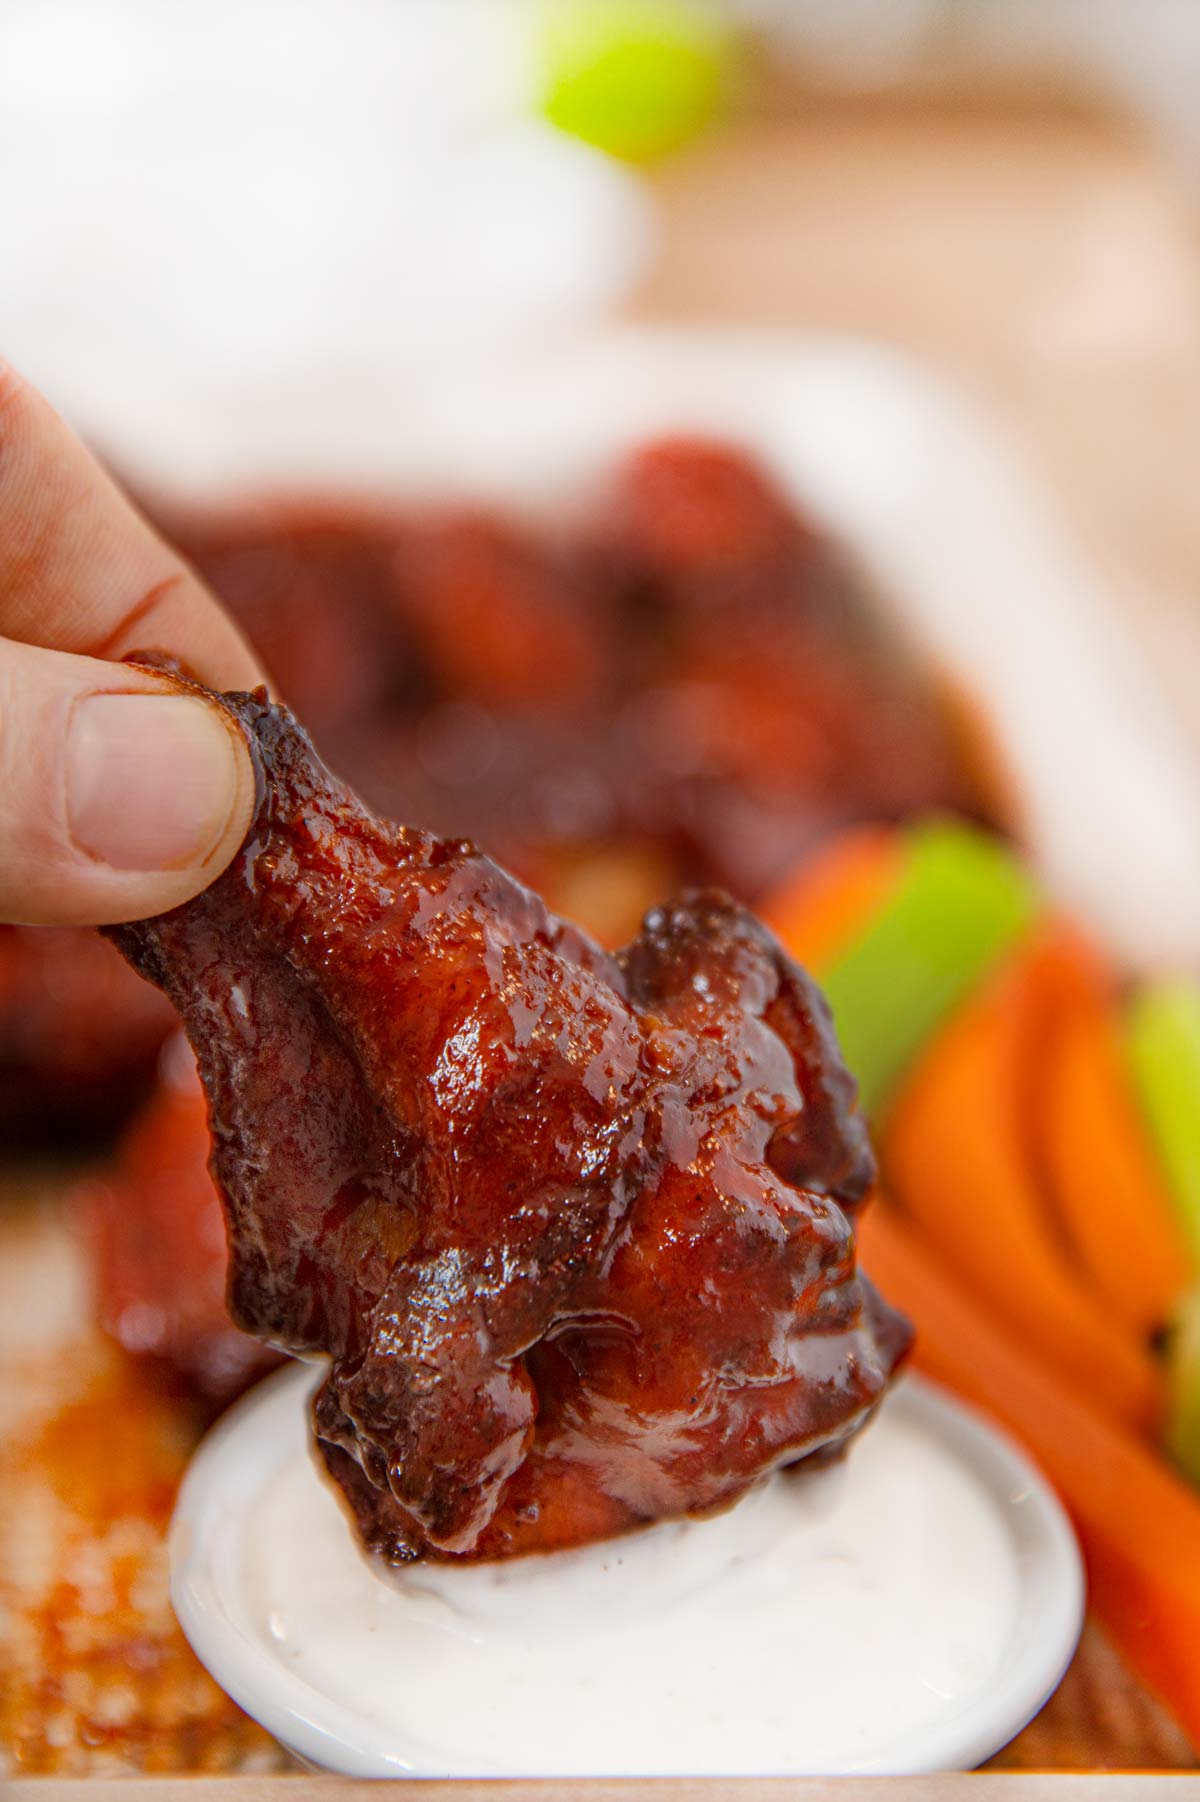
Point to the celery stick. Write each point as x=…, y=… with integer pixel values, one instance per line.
x=1183, y=1387
x=637, y=78
x=1163, y=1042
x=962, y=899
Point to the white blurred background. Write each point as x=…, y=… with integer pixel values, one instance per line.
x=208, y=207
x=211, y=210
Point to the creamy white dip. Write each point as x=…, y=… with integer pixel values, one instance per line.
x=824, y=1622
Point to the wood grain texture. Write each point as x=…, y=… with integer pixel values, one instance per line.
x=1099, y=1719
x=968, y=1787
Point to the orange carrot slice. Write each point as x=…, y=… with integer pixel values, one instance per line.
x=1093, y=1151
x=821, y=909
x=955, y=1159
x=1138, y=1523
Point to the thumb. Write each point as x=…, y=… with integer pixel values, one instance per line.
x=120, y=796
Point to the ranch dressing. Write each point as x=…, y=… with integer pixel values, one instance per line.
x=819, y=1623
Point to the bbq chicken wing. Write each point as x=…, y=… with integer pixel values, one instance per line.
x=153, y=1222
x=574, y=1229
x=79, y=1037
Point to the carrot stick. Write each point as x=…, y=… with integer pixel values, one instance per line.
x=1138, y=1523
x=954, y=1157
x=822, y=908
x=1093, y=1151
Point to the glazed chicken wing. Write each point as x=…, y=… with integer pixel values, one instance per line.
x=153, y=1222
x=574, y=1229
x=79, y=1037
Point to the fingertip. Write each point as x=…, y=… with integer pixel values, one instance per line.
x=159, y=793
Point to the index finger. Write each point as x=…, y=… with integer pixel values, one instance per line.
x=82, y=571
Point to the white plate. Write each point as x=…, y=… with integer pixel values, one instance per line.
x=953, y=539
x=261, y=1443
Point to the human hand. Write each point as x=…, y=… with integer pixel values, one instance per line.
x=120, y=797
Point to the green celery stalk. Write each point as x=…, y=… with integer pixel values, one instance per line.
x=1183, y=1387
x=962, y=900
x=1163, y=1043
x=637, y=78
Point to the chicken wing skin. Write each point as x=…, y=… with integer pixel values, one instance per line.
x=573, y=1228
